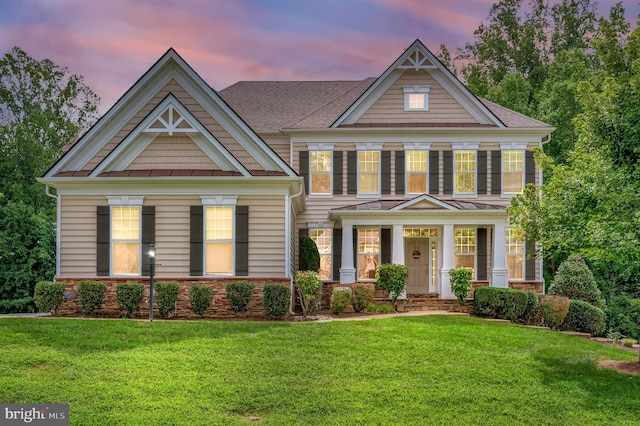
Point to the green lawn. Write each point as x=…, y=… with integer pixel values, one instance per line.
x=403, y=370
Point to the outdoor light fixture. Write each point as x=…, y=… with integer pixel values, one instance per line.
x=152, y=261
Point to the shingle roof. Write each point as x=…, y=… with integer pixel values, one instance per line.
x=276, y=105
x=390, y=204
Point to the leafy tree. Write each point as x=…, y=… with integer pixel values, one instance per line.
x=575, y=280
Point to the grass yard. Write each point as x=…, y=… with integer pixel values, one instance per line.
x=403, y=370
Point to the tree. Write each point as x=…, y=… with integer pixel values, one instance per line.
x=43, y=108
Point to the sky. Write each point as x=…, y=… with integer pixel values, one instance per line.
x=113, y=42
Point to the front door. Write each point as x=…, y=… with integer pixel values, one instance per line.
x=416, y=256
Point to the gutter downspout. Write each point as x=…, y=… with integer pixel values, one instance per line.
x=57, y=198
x=288, y=225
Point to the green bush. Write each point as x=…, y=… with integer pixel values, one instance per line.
x=340, y=300
x=276, y=299
x=309, y=257
x=200, y=297
x=628, y=342
x=392, y=278
x=362, y=296
x=309, y=289
x=461, y=283
x=239, y=294
x=515, y=304
x=91, y=295
x=574, y=280
x=554, y=310
x=166, y=293
x=49, y=296
x=623, y=315
x=585, y=318
x=531, y=315
x=372, y=308
x=488, y=302
x=385, y=308
x=129, y=296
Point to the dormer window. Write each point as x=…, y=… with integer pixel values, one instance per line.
x=416, y=98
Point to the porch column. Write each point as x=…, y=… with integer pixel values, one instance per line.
x=499, y=273
x=448, y=262
x=397, y=250
x=347, y=271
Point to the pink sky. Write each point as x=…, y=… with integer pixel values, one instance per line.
x=113, y=42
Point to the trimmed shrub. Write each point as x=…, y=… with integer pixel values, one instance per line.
x=488, y=302
x=585, y=318
x=166, y=296
x=309, y=289
x=461, y=283
x=129, y=296
x=340, y=300
x=239, y=294
x=200, y=297
x=515, y=304
x=531, y=315
x=49, y=296
x=392, y=277
x=575, y=281
x=623, y=315
x=554, y=310
x=276, y=298
x=372, y=308
x=361, y=296
x=309, y=257
x=91, y=295
x=385, y=308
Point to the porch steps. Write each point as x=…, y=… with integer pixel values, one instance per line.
x=430, y=302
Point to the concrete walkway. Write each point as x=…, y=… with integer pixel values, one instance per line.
x=26, y=315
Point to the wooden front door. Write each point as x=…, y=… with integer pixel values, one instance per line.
x=416, y=256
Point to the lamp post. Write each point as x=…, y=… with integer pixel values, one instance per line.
x=152, y=261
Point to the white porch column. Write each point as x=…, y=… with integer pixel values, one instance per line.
x=448, y=262
x=347, y=271
x=397, y=250
x=499, y=273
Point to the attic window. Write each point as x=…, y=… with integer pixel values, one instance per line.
x=416, y=98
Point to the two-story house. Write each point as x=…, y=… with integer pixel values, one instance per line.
x=409, y=167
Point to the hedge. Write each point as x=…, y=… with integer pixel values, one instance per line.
x=585, y=318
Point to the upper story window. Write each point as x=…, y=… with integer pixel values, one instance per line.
x=464, y=172
x=368, y=172
x=512, y=171
x=416, y=98
x=125, y=240
x=219, y=240
x=515, y=253
x=416, y=170
x=320, y=172
x=323, y=238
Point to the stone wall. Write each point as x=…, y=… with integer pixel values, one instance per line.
x=219, y=306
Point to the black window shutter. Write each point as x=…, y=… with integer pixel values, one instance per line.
x=530, y=168
x=496, y=172
x=355, y=250
x=337, y=173
x=399, y=172
x=196, y=253
x=434, y=172
x=385, y=245
x=242, y=241
x=447, y=172
x=336, y=249
x=385, y=165
x=530, y=261
x=481, y=250
x=304, y=168
x=482, y=172
x=103, y=234
x=148, y=236
x=352, y=172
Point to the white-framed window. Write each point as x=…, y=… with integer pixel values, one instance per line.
x=320, y=172
x=416, y=98
x=323, y=238
x=512, y=171
x=515, y=253
x=416, y=172
x=218, y=247
x=369, y=173
x=126, y=244
x=465, y=248
x=368, y=253
x=464, y=172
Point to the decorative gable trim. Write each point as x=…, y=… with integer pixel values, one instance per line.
x=154, y=124
x=418, y=57
x=423, y=198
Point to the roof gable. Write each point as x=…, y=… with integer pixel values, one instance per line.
x=169, y=67
x=418, y=57
x=422, y=202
